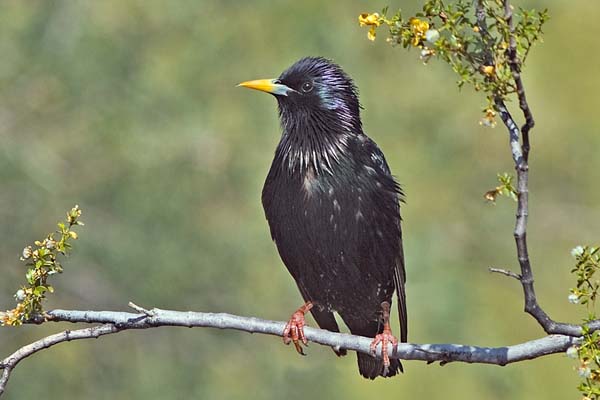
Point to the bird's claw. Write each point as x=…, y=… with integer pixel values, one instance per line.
x=294, y=329
x=385, y=338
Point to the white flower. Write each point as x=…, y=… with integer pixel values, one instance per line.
x=50, y=244
x=584, y=371
x=577, y=251
x=572, y=352
x=20, y=295
x=27, y=251
x=573, y=298
x=432, y=35
x=426, y=54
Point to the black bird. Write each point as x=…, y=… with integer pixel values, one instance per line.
x=333, y=209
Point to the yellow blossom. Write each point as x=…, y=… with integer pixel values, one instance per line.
x=371, y=34
x=489, y=119
x=476, y=29
x=12, y=317
x=372, y=20
x=418, y=28
x=488, y=70
x=491, y=195
x=369, y=19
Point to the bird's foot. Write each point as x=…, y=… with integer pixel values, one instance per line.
x=294, y=329
x=385, y=338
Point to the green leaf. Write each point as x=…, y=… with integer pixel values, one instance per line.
x=39, y=290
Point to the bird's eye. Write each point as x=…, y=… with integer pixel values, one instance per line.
x=307, y=87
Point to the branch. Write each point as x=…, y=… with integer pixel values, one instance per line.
x=10, y=362
x=115, y=321
x=515, y=67
x=520, y=155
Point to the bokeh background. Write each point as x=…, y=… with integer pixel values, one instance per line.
x=129, y=108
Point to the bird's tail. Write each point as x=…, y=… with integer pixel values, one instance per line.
x=371, y=367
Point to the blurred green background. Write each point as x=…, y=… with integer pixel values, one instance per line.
x=129, y=108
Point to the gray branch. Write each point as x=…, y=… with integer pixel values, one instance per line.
x=114, y=321
x=519, y=148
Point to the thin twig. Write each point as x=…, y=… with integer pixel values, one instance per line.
x=487, y=39
x=515, y=67
x=10, y=362
x=505, y=272
x=139, y=309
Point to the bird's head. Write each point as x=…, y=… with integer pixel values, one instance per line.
x=314, y=92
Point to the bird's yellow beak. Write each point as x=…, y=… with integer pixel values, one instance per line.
x=272, y=86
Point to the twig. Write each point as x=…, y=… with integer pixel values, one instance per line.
x=114, y=322
x=10, y=362
x=515, y=67
x=139, y=309
x=487, y=39
x=505, y=272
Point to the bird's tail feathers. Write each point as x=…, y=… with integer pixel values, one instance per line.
x=371, y=367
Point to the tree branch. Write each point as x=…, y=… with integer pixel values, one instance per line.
x=115, y=321
x=515, y=67
x=520, y=155
x=9, y=363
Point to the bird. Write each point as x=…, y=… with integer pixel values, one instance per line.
x=333, y=209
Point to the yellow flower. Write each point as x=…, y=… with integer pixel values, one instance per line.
x=488, y=70
x=371, y=34
x=418, y=28
x=491, y=195
x=372, y=20
x=488, y=120
x=12, y=317
x=369, y=19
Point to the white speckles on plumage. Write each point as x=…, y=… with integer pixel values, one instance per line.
x=336, y=206
x=359, y=215
x=310, y=182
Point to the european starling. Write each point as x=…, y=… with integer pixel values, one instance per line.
x=333, y=210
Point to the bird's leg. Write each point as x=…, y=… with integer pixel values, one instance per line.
x=295, y=328
x=385, y=338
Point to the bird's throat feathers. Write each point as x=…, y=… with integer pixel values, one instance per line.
x=319, y=116
x=315, y=139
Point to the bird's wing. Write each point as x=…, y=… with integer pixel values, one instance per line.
x=379, y=162
x=399, y=281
